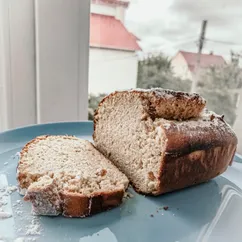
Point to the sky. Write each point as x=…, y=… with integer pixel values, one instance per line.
x=172, y=25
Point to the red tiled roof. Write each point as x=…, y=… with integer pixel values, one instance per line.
x=108, y=32
x=206, y=60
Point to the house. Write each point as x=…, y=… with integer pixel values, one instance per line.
x=184, y=63
x=113, y=60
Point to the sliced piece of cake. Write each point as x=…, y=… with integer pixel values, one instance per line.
x=66, y=175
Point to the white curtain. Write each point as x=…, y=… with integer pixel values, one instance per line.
x=44, y=48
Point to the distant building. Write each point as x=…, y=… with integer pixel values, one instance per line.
x=184, y=63
x=113, y=60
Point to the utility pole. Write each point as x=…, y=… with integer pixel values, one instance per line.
x=200, y=47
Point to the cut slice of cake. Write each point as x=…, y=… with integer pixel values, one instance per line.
x=66, y=175
x=161, y=139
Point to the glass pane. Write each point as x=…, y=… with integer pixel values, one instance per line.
x=147, y=44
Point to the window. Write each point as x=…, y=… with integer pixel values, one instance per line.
x=71, y=53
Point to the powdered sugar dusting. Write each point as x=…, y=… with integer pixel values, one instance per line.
x=166, y=125
x=22, y=191
x=128, y=195
x=159, y=131
x=208, y=120
x=33, y=228
x=11, y=189
x=168, y=94
x=5, y=191
x=17, y=155
x=4, y=215
x=20, y=239
x=12, y=210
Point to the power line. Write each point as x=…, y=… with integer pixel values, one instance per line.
x=223, y=42
x=159, y=50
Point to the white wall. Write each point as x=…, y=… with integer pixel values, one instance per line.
x=180, y=67
x=120, y=13
x=109, y=10
x=111, y=70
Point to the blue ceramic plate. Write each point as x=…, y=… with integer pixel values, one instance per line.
x=203, y=213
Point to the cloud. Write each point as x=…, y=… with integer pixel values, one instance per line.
x=219, y=13
x=177, y=24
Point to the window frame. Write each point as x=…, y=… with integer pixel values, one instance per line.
x=15, y=53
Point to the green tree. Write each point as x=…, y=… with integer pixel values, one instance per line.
x=93, y=102
x=221, y=78
x=155, y=71
x=219, y=86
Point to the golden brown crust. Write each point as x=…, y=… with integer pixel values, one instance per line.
x=195, y=154
x=201, y=134
x=77, y=205
x=194, y=168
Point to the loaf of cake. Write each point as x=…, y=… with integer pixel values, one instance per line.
x=163, y=140
x=66, y=175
